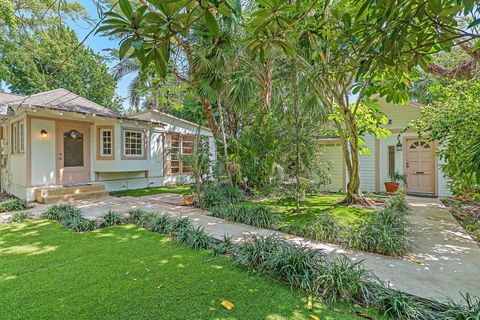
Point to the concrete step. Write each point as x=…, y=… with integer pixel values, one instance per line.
x=73, y=197
x=59, y=194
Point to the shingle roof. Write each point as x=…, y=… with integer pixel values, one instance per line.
x=59, y=99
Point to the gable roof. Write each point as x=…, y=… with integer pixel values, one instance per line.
x=59, y=99
x=167, y=115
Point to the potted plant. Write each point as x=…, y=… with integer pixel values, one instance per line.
x=392, y=185
x=188, y=199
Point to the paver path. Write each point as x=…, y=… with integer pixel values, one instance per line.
x=450, y=259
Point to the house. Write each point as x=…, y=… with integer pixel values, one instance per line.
x=61, y=144
x=403, y=151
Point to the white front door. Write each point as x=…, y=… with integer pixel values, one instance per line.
x=73, y=152
x=420, y=166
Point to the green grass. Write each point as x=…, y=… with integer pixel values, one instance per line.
x=183, y=189
x=126, y=272
x=314, y=205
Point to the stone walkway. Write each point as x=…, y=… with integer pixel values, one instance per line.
x=445, y=262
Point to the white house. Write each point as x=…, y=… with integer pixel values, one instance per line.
x=403, y=151
x=59, y=140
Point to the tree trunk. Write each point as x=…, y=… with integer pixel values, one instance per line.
x=351, y=154
x=207, y=111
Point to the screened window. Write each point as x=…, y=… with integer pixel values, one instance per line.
x=391, y=160
x=73, y=148
x=133, y=143
x=106, y=142
x=14, y=138
x=21, y=138
x=180, y=146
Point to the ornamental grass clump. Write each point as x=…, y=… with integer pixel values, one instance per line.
x=252, y=214
x=195, y=238
x=20, y=216
x=386, y=233
x=296, y=265
x=80, y=224
x=467, y=309
x=220, y=194
x=111, y=218
x=70, y=217
x=14, y=204
x=134, y=215
x=344, y=280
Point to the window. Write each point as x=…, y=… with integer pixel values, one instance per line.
x=419, y=144
x=21, y=137
x=133, y=143
x=14, y=138
x=106, y=138
x=73, y=148
x=391, y=160
x=178, y=147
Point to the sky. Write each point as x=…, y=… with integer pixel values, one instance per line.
x=99, y=43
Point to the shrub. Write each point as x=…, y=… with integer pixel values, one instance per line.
x=62, y=212
x=19, y=216
x=386, y=233
x=146, y=220
x=327, y=228
x=14, y=204
x=134, y=215
x=80, y=224
x=111, y=218
x=285, y=261
x=220, y=194
x=398, y=305
x=380, y=237
x=195, y=238
x=222, y=247
x=159, y=223
x=344, y=280
x=468, y=309
x=398, y=202
x=175, y=225
x=252, y=214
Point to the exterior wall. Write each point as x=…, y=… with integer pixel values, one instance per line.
x=14, y=177
x=367, y=165
x=374, y=168
x=36, y=166
x=43, y=154
x=334, y=158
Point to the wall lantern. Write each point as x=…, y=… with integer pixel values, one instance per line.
x=399, y=144
x=44, y=133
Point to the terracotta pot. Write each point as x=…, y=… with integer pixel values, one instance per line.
x=391, y=187
x=188, y=200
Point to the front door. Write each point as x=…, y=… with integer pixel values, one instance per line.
x=420, y=166
x=73, y=152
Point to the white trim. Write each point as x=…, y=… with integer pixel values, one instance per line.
x=102, y=145
x=21, y=137
x=142, y=143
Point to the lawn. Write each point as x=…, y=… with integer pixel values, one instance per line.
x=314, y=205
x=126, y=272
x=183, y=189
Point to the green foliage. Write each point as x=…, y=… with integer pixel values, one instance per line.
x=386, y=233
x=398, y=305
x=252, y=214
x=344, y=280
x=452, y=120
x=195, y=238
x=19, y=216
x=14, y=204
x=398, y=177
x=111, y=218
x=135, y=215
x=52, y=58
x=79, y=224
x=220, y=194
x=468, y=309
x=326, y=228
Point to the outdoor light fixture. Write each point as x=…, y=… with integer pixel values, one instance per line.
x=399, y=144
x=44, y=133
